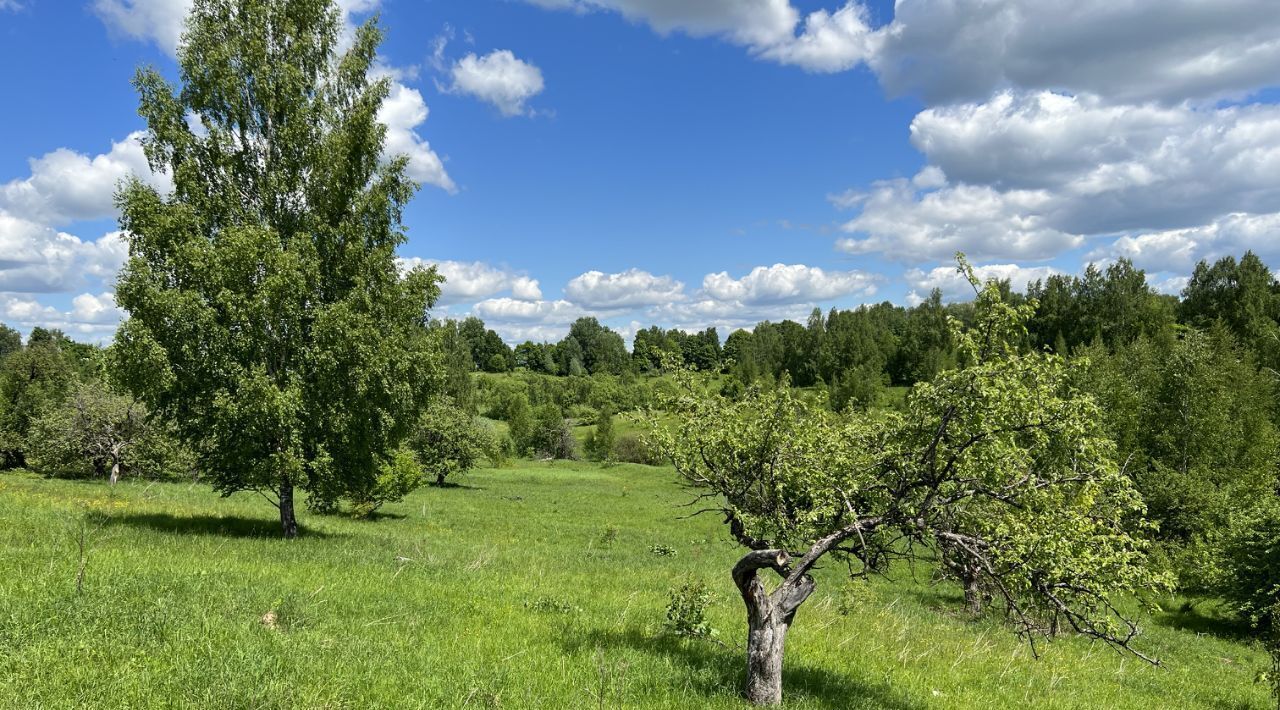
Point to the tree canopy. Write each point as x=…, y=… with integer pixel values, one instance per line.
x=1000, y=460
x=268, y=318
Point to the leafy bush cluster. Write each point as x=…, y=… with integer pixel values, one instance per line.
x=61, y=416
x=687, y=610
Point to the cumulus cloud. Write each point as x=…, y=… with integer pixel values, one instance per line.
x=1112, y=168
x=162, y=22
x=903, y=223
x=725, y=316
x=787, y=283
x=498, y=78
x=1029, y=176
x=630, y=288
x=512, y=310
x=158, y=21
x=823, y=41
x=525, y=288
x=753, y=22
x=65, y=186
x=92, y=317
x=35, y=258
x=963, y=50
x=829, y=41
x=471, y=280
x=1170, y=51
x=1178, y=250
x=955, y=287
x=765, y=293
x=402, y=112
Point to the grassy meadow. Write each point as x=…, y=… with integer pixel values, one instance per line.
x=536, y=586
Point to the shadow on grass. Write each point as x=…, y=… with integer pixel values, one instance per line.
x=716, y=670
x=447, y=485
x=377, y=515
x=207, y=525
x=1208, y=622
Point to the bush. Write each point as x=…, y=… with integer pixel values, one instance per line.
x=397, y=477
x=1251, y=581
x=552, y=436
x=633, y=448
x=687, y=610
x=497, y=363
x=600, y=442
x=450, y=441
x=520, y=424
x=94, y=432
x=580, y=413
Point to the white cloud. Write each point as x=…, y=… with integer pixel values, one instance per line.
x=512, y=310
x=787, y=283
x=829, y=42
x=1172, y=286
x=1178, y=250
x=766, y=293
x=402, y=112
x=92, y=317
x=498, y=78
x=65, y=186
x=525, y=288
x=100, y=309
x=1135, y=50
x=163, y=21
x=1032, y=175
x=1112, y=168
x=157, y=21
x=904, y=224
x=751, y=22
x=629, y=288
x=963, y=50
x=515, y=333
x=724, y=316
x=955, y=287
x=773, y=29
x=35, y=258
x=772, y=293
x=471, y=280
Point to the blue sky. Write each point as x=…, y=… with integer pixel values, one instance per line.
x=716, y=162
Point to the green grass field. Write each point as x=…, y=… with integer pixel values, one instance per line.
x=507, y=591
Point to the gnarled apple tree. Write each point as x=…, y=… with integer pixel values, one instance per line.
x=1000, y=464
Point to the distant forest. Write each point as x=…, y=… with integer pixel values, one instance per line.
x=856, y=352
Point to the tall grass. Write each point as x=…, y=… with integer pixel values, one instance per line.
x=540, y=586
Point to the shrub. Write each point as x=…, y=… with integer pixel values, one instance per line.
x=398, y=475
x=520, y=424
x=94, y=432
x=450, y=441
x=609, y=536
x=600, y=442
x=1251, y=580
x=552, y=436
x=633, y=448
x=687, y=610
